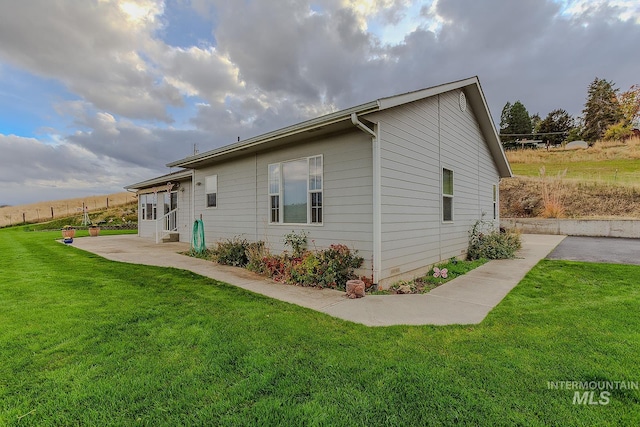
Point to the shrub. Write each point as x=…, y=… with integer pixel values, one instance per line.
x=256, y=253
x=306, y=270
x=277, y=267
x=205, y=254
x=337, y=265
x=328, y=268
x=618, y=132
x=231, y=252
x=491, y=244
x=297, y=242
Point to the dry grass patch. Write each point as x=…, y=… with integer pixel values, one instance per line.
x=552, y=194
x=601, y=181
x=524, y=197
x=38, y=212
x=601, y=150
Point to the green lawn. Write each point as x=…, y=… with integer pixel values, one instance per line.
x=86, y=341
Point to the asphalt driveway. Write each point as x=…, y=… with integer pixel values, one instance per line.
x=598, y=249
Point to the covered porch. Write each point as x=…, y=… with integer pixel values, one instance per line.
x=165, y=204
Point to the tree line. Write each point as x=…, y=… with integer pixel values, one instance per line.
x=608, y=114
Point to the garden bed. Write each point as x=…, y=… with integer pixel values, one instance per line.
x=437, y=276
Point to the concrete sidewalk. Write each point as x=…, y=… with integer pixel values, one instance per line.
x=464, y=300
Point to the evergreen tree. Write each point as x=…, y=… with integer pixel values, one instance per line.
x=505, y=120
x=556, y=121
x=535, y=123
x=601, y=110
x=520, y=120
x=514, y=120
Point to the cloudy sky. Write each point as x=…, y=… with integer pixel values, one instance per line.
x=98, y=94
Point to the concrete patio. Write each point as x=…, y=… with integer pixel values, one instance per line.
x=464, y=300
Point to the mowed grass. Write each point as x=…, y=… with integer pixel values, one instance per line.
x=86, y=341
x=605, y=162
x=620, y=171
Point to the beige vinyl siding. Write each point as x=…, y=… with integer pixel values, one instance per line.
x=236, y=200
x=463, y=149
x=146, y=228
x=417, y=141
x=410, y=186
x=243, y=208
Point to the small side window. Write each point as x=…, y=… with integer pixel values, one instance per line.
x=495, y=201
x=447, y=195
x=211, y=190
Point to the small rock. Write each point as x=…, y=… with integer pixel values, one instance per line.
x=404, y=289
x=355, y=289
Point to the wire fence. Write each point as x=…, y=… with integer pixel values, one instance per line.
x=47, y=211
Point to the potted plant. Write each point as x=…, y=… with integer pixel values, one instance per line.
x=94, y=230
x=69, y=231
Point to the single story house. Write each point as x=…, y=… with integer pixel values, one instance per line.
x=401, y=179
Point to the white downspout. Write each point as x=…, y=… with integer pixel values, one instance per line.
x=377, y=208
x=193, y=204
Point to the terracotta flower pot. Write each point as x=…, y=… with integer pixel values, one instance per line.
x=94, y=231
x=69, y=232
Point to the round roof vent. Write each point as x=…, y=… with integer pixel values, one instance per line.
x=463, y=101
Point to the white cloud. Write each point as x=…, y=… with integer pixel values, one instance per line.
x=269, y=64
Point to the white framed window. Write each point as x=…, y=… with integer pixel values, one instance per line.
x=447, y=195
x=211, y=191
x=274, y=193
x=295, y=191
x=148, y=206
x=495, y=201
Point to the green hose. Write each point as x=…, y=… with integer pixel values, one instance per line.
x=198, y=237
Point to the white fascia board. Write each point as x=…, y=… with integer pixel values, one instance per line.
x=175, y=176
x=394, y=101
x=306, y=126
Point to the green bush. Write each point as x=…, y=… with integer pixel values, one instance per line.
x=231, y=252
x=491, y=243
x=618, y=132
x=205, y=254
x=328, y=268
x=256, y=254
x=297, y=242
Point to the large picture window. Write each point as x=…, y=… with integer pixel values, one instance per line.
x=295, y=191
x=447, y=195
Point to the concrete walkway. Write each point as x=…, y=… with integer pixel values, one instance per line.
x=464, y=300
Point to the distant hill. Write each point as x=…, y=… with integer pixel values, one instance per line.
x=601, y=181
x=45, y=211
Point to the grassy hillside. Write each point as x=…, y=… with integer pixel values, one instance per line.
x=41, y=212
x=600, y=181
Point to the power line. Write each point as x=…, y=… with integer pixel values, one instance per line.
x=534, y=134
